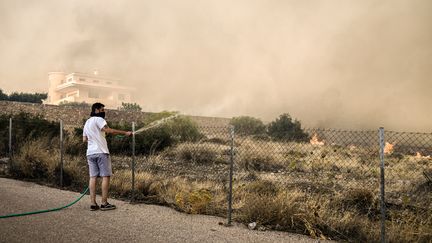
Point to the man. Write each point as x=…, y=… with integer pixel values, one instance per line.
x=98, y=158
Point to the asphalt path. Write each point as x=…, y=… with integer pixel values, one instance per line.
x=128, y=223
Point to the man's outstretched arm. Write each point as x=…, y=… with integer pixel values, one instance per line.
x=107, y=129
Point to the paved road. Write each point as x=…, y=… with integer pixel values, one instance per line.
x=129, y=223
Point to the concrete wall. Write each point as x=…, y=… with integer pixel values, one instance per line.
x=74, y=116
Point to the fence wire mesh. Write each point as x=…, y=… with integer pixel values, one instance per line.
x=408, y=182
x=315, y=185
x=34, y=148
x=408, y=168
x=191, y=172
x=303, y=176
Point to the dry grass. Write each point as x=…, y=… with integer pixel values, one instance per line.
x=188, y=196
x=300, y=212
x=324, y=191
x=35, y=160
x=75, y=172
x=409, y=226
x=40, y=159
x=200, y=153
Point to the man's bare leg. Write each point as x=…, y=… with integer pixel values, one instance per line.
x=92, y=186
x=105, y=188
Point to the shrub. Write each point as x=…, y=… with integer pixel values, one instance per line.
x=35, y=161
x=144, y=184
x=180, y=129
x=246, y=125
x=3, y=96
x=284, y=210
x=130, y=107
x=255, y=158
x=361, y=199
x=265, y=188
x=75, y=104
x=74, y=145
x=285, y=129
x=157, y=116
x=75, y=172
x=195, y=201
x=203, y=153
x=25, y=127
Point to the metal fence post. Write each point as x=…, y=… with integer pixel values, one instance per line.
x=10, y=143
x=231, y=176
x=133, y=160
x=382, y=189
x=61, y=153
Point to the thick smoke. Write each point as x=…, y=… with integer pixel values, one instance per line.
x=341, y=64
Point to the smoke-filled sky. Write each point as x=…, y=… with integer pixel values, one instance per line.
x=338, y=63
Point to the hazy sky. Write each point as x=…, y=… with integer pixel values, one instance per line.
x=333, y=63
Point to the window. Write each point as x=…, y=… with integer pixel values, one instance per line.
x=93, y=94
x=69, y=80
x=82, y=79
x=121, y=96
x=95, y=81
x=108, y=82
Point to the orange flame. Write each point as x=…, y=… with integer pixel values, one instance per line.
x=388, y=148
x=419, y=156
x=314, y=140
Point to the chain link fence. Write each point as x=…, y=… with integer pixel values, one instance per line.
x=314, y=182
x=190, y=175
x=327, y=185
x=408, y=183
x=408, y=168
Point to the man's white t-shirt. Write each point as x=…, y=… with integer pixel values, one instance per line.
x=97, y=143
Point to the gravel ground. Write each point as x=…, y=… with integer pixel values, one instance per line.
x=129, y=223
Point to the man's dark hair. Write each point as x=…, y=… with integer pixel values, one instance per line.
x=96, y=106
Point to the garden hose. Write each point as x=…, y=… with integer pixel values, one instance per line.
x=47, y=210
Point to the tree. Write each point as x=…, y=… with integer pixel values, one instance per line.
x=284, y=128
x=130, y=107
x=3, y=96
x=246, y=125
x=27, y=97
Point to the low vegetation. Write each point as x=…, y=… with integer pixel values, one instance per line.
x=327, y=191
x=130, y=107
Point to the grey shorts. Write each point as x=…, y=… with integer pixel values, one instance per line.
x=99, y=165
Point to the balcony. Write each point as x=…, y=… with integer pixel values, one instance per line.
x=76, y=85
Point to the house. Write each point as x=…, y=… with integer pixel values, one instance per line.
x=89, y=88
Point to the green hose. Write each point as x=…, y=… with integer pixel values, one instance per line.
x=47, y=210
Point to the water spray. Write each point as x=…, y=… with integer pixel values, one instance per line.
x=153, y=124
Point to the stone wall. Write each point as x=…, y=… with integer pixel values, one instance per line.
x=75, y=116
